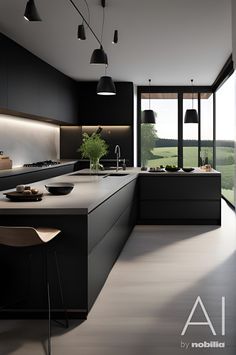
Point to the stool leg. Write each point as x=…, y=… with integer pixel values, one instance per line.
x=49, y=320
x=49, y=303
x=60, y=287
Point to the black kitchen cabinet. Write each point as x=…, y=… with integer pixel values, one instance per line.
x=32, y=88
x=23, y=80
x=106, y=110
x=87, y=251
x=61, y=90
x=67, y=104
x=11, y=181
x=178, y=199
x=3, y=73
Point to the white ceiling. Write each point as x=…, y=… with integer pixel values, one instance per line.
x=170, y=41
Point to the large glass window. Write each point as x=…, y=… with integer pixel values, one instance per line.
x=206, y=153
x=190, y=133
x=159, y=142
x=225, y=131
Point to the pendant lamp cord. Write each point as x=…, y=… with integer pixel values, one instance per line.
x=103, y=22
x=192, y=92
x=87, y=23
x=149, y=92
x=86, y=3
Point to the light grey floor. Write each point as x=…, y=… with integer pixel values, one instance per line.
x=147, y=298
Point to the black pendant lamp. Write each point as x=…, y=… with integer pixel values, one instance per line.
x=106, y=86
x=31, y=12
x=81, y=33
x=99, y=56
x=115, y=37
x=148, y=116
x=191, y=115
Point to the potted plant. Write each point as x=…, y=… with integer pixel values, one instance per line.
x=93, y=147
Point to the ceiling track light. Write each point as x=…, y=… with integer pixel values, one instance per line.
x=115, y=37
x=99, y=56
x=149, y=116
x=191, y=115
x=31, y=12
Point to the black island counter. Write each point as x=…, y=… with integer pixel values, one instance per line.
x=95, y=220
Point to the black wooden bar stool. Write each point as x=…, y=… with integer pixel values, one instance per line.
x=28, y=237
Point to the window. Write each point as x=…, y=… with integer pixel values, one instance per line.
x=171, y=141
x=225, y=131
x=159, y=142
x=190, y=133
x=206, y=152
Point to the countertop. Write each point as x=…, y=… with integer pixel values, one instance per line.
x=195, y=172
x=24, y=170
x=88, y=193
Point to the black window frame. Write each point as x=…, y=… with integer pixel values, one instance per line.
x=180, y=91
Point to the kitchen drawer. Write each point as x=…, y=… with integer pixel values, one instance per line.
x=179, y=187
x=180, y=210
x=102, y=218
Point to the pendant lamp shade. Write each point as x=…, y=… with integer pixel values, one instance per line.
x=31, y=12
x=81, y=33
x=99, y=57
x=106, y=86
x=191, y=116
x=115, y=37
x=148, y=116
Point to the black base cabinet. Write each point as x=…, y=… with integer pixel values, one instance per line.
x=10, y=182
x=87, y=249
x=173, y=199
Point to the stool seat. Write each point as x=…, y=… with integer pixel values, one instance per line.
x=26, y=236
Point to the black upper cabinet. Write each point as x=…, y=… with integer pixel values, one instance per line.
x=31, y=87
x=3, y=72
x=67, y=99
x=106, y=110
x=23, y=80
x=48, y=98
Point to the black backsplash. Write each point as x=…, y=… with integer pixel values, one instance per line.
x=71, y=139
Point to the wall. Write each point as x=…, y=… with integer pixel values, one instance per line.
x=234, y=30
x=71, y=139
x=234, y=59
x=27, y=141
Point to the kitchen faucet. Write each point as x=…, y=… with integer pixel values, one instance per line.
x=117, y=152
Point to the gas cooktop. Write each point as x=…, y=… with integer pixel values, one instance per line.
x=40, y=164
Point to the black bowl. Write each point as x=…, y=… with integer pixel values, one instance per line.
x=60, y=188
x=188, y=170
x=173, y=170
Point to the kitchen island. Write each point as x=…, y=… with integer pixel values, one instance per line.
x=96, y=220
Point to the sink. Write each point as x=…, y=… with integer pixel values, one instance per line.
x=112, y=168
x=104, y=175
x=89, y=174
x=118, y=174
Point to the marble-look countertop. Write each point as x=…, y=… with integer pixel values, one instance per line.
x=88, y=193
